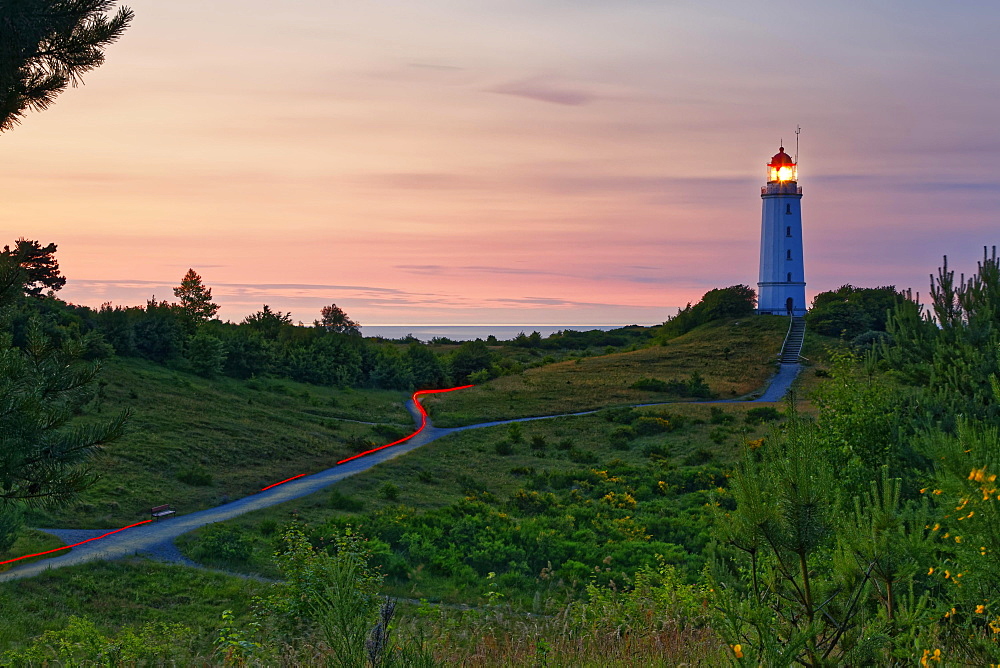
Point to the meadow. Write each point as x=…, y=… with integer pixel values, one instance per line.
x=734, y=357
x=195, y=442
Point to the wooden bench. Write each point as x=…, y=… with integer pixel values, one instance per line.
x=156, y=512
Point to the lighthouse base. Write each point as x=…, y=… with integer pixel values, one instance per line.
x=781, y=299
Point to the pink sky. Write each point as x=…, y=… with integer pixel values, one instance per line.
x=559, y=162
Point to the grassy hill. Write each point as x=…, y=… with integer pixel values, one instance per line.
x=196, y=443
x=735, y=358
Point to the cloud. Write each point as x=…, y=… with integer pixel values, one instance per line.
x=539, y=89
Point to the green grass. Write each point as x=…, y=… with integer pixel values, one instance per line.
x=31, y=541
x=596, y=382
x=196, y=443
x=467, y=465
x=122, y=594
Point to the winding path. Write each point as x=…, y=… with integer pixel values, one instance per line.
x=156, y=539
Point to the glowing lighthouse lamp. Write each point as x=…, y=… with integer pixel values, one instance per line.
x=781, y=289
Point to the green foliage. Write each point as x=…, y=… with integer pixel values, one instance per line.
x=223, y=544
x=849, y=311
x=195, y=298
x=333, y=586
x=195, y=475
x=47, y=46
x=334, y=319
x=44, y=456
x=694, y=386
x=81, y=642
x=37, y=264
x=11, y=523
x=206, y=354
x=389, y=491
x=471, y=356
x=340, y=501
x=762, y=414
x=736, y=301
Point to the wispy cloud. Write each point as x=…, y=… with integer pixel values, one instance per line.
x=543, y=90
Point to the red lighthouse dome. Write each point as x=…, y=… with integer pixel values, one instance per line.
x=781, y=167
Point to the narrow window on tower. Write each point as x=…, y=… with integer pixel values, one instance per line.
x=788, y=254
x=788, y=209
x=788, y=231
x=789, y=277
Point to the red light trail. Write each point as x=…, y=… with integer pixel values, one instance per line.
x=423, y=424
x=66, y=547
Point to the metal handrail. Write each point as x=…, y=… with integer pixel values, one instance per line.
x=791, y=323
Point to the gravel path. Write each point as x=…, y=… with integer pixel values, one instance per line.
x=156, y=539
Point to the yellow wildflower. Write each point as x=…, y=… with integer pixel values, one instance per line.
x=738, y=651
x=980, y=609
x=931, y=571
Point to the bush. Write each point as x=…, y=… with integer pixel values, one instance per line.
x=388, y=491
x=719, y=416
x=195, y=475
x=223, y=543
x=647, y=426
x=503, y=448
x=340, y=501
x=621, y=437
x=538, y=442
x=762, y=415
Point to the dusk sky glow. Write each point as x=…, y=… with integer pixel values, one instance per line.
x=558, y=162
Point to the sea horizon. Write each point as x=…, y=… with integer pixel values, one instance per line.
x=503, y=332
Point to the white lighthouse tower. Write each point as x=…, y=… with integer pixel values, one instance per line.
x=781, y=289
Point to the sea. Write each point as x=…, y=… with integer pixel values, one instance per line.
x=471, y=332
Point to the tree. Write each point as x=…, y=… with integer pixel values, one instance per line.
x=736, y=301
x=333, y=319
x=207, y=354
x=852, y=311
x=47, y=45
x=38, y=264
x=196, y=299
x=268, y=322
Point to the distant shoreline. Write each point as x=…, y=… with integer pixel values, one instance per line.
x=472, y=332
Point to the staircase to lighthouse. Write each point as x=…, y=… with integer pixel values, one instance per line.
x=791, y=349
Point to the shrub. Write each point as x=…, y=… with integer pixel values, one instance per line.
x=195, y=475
x=698, y=457
x=582, y=456
x=388, y=491
x=762, y=415
x=340, y=501
x=514, y=433
x=426, y=477
x=538, y=442
x=697, y=387
x=647, y=426
x=619, y=415
x=621, y=438
x=223, y=543
x=654, y=385
x=503, y=448
x=719, y=416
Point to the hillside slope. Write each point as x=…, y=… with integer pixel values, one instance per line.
x=734, y=357
x=195, y=442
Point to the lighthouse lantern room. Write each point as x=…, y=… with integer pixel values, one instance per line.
x=781, y=289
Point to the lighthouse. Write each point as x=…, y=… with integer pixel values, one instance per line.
x=781, y=289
